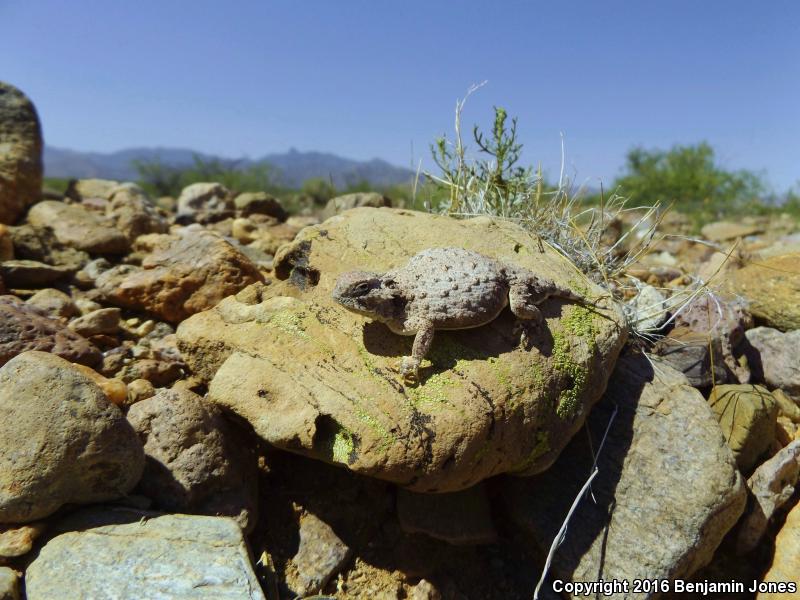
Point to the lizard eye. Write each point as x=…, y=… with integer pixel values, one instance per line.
x=361, y=289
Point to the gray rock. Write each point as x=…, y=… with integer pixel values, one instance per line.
x=773, y=356
x=133, y=213
x=667, y=491
x=61, y=441
x=41, y=244
x=204, y=201
x=320, y=556
x=143, y=555
x=78, y=227
x=196, y=461
x=30, y=273
x=359, y=199
x=259, y=203
x=771, y=486
x=460, y=518
x=102, y=321
x=20, y=154
x=23, y=328
x=9, y=584
x=648, y=309
x=53, y=303
x=709, y=326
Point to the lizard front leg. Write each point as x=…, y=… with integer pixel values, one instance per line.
x=523, y=296
x=409, y=366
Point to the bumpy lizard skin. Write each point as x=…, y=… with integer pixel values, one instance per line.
x=444, y=288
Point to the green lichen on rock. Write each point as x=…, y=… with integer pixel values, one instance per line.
x=432, y=391
x=579, y=323
x=288, y=322
x=387, y=439
x=540, y=448
x=343, y=446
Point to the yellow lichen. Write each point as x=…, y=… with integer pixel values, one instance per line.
x=579, y=322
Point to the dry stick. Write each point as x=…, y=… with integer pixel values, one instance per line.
x=562, y=532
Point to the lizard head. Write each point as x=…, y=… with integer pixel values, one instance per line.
x=368, y=294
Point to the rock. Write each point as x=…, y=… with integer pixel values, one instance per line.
x=787, y=407
x=133, y=213
x=6, y=244
x=315, y=379
x=773, y=357
x=203, y=202
x=53, y=303
x=143, y=555
x=61, y=441
x=771, y=485
x=424, y=590
x=196, y=461
x=459, y=518
x=160, y=373
x=340, y=204
x=747, y=416
x=710, y=325
x=260, y=203
x=658, y=509
x=17, y=540
x=771, y=286
x=20, y=154
x=23, y=328
x=182, y=276
x=138, y=390
x=320, y=557
x=723, y=231
x=115, y=389
x=648, y=309
x=9, y=584
x=101, y=321
x=78, y=227
x=86, y=189
x=786, y=561
x=40, y=244
x=30, y=273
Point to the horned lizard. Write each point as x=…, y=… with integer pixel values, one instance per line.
x=445, y=289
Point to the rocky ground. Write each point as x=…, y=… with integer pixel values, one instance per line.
x=186, y=413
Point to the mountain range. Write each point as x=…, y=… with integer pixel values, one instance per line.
x=292, y=167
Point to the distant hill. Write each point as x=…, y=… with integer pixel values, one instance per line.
x=293, y=167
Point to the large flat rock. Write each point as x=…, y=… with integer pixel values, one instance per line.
x=316, y=379
x=144, y=556
x=666, y=494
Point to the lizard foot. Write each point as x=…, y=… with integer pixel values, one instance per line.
x=408, y=368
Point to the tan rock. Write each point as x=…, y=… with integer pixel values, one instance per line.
x=315, y=379
x=747, y=416
x=771, y=486
x=61, y=441
x=772, y=287
x=340, y=204
x=77, y=227
x=115, y=389
x=133, y=213
x=181, y=277
x=20, y=154
x=723, y=231
x=786, y=561
x=54, y=303
x=17, y=540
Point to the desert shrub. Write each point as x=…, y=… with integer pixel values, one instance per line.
x=159, y=179
x=689, y=178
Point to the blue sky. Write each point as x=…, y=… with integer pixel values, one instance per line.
x=380, y=79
